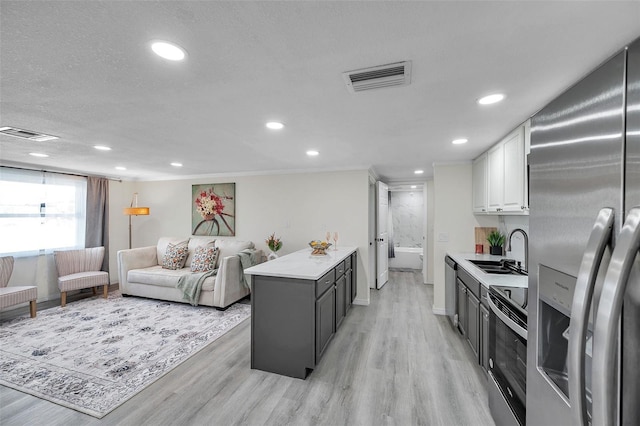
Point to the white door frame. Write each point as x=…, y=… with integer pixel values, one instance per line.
x=382, y=240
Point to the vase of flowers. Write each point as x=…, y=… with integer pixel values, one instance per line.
x=274, y=243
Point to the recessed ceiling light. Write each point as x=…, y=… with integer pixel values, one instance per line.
x=274, y=125
x=102, y=148
x=312, y=153
x=491, y=99
x=38, y=154
x=120, y=168
x=459, y=141
x=419, y=172
x=413, y=186
x=168, y=50
x=176, y=164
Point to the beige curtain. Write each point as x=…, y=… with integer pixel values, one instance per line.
x=97, y=231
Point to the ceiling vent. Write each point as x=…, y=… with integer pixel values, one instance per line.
x=396, y=74
x=26, y=134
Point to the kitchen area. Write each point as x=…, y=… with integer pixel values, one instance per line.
x=553, y=316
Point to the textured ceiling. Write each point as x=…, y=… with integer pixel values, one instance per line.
x=83, y=71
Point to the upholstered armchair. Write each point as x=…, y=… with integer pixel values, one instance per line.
x=15, y=295
x=79, y=269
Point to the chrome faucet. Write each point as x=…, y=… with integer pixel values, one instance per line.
x=526, y=246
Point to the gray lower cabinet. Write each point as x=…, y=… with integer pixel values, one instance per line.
x=325, y=321
x=294, y=320
x=341, y=300
x=473, y=324
x=484, y=337
x=473, y=315
x=348, y=290
x=462, y=307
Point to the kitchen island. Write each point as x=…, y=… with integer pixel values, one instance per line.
x=298, y=302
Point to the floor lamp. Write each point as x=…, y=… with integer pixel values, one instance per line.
x=134, y=210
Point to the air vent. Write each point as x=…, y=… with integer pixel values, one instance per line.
x=26, y=134
x=396, y=74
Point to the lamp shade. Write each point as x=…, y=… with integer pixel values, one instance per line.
x=136, y=211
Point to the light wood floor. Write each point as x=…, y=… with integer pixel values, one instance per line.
x=391, y=363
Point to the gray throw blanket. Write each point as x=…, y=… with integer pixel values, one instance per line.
x=191, y=285
x=248, y=258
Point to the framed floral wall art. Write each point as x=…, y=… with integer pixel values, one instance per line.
x=213, y=209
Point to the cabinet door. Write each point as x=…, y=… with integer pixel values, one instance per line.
x=484, y=337
x=341, y=300
x=462, y=308
x=348, y=289
x=495, y=178
x=480, y=184
x=325, y=321
x=354, y=276
x=473, y=325
x=514, y=171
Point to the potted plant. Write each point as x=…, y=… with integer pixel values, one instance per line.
x=496, y=240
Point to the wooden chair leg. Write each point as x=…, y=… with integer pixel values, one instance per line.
x=106, y=290
x=94, y=290
x=32, y=308
x=63, y=299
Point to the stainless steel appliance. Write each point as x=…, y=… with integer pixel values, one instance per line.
x=507, y=354
x=584, y=279
x=450, y=296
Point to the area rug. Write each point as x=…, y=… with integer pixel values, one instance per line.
x=95, y=354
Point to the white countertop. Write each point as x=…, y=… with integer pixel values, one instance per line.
x=301, y=264
x=462, y=259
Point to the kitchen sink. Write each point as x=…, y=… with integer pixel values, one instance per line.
x=503, y=267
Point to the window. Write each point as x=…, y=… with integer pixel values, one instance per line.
x=41, y=212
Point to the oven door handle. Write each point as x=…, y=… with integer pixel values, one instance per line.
x=505, y=319
x=605, y=336
x=581, y=306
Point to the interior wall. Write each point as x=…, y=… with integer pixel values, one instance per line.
x=407, y=213
x=297, y=207
x=428, y=276
x=454, y=221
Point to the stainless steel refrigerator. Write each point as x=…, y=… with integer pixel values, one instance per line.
x=583, y=351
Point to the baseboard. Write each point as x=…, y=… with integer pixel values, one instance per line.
x=361, y=302
x=439, y=311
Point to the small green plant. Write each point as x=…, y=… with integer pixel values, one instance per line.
x=495, y=239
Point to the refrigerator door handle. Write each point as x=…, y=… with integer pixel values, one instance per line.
x=582, y=297
x=605, y=336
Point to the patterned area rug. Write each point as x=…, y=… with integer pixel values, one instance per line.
x=95, y=354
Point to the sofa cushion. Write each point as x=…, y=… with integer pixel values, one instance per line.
x=198, y=241
x=175, y=256
x=204, y=258
x=231, y=248
x=161, y=247
x=156, y=275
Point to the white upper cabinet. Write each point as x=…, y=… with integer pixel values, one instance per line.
x=504, y=186
x=480, y=184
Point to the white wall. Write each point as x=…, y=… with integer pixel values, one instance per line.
x=454, y=221
x=428, y=276
x=297, y=207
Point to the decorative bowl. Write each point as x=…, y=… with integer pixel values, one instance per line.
x=319, y=247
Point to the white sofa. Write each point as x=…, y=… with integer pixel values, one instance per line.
x=141, y=274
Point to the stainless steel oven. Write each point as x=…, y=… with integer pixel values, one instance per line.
x=508, y=354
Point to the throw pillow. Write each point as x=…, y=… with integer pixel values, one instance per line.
x=204, y=259
x=175, y=256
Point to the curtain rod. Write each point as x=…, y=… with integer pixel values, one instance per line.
x=60, y=173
